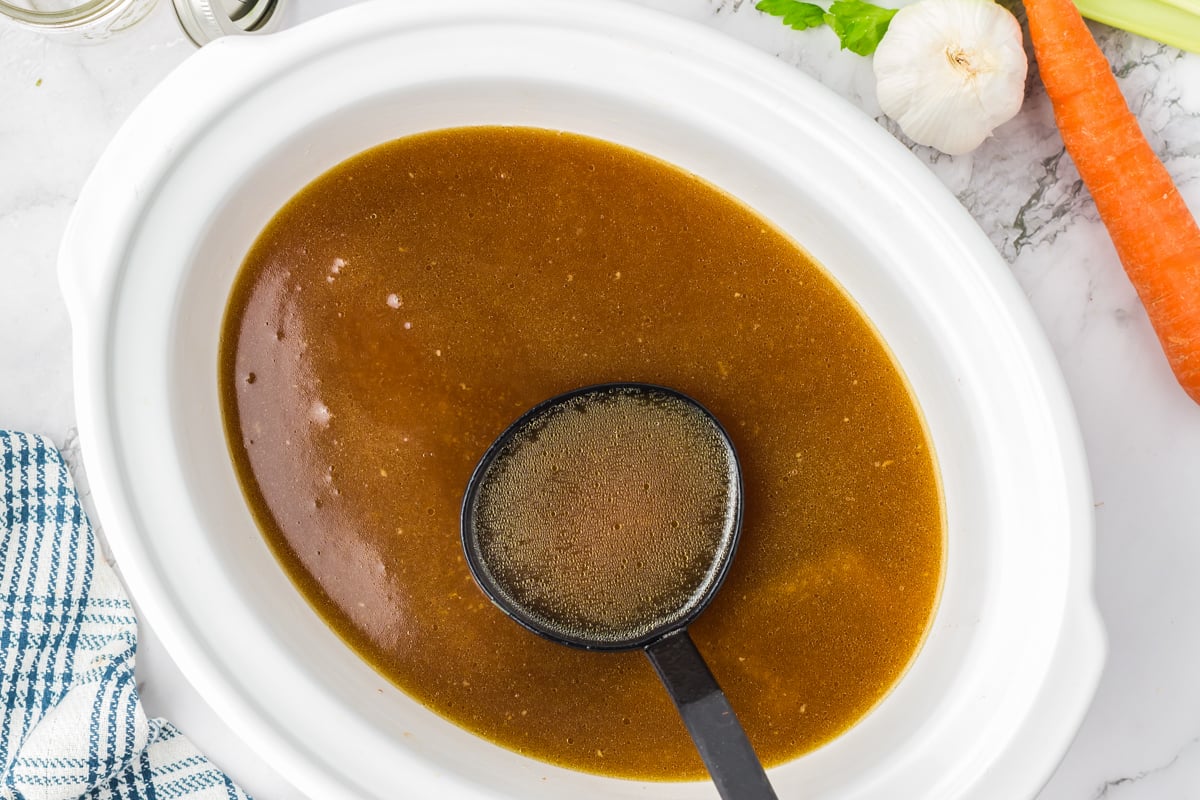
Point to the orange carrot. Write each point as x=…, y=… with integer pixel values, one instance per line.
x=1156, y=237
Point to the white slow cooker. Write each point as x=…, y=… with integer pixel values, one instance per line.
x=1015, y=650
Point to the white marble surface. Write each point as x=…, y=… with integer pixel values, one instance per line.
x=59, y=106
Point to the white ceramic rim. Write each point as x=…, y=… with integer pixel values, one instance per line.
x=1065, y=659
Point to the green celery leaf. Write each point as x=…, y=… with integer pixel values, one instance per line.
x=798, y=15
x=859, y=26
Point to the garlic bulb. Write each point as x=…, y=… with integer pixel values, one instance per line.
x=950, y=71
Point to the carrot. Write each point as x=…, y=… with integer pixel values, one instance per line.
x=1156, y=237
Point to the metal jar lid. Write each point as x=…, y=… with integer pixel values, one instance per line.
x=206, y=20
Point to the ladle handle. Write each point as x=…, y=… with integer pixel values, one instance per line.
x=709, y=718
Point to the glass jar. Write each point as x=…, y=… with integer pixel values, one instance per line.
x=77, y=20
x=84, y=21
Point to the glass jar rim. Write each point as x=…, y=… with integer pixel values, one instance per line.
x=80, y=14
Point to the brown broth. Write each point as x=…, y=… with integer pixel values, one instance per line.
x=399, y=312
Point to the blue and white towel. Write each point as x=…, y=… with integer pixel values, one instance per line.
x=73, y=726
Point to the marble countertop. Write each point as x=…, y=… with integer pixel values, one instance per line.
x=60, y=105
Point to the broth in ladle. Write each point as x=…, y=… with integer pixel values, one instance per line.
x=606, y=514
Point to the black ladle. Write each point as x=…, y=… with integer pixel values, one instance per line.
x=493, y=538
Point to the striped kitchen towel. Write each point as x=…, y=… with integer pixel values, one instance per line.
x=73, y=725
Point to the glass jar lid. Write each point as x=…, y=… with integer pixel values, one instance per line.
x=206, y=20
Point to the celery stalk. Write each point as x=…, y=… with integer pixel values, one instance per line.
x=1173, y=22
x=1190, y=6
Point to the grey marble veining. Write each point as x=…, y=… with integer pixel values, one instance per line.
x=59, y=106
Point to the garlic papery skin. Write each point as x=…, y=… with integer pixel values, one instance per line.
x=951, y=71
